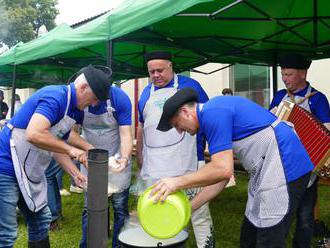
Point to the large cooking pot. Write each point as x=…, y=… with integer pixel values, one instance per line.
x=164, y=220
x=137, y=237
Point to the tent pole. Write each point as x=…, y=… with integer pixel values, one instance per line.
x=274, y=71
x=13, y=90
x=110, y=53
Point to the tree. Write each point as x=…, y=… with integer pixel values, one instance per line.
x=20, y=20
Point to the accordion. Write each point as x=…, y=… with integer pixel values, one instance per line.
x=312, y=133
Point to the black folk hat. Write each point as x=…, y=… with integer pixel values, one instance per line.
x=172, y=105
x=99, y=79
x=294, y=61
x=158, y=55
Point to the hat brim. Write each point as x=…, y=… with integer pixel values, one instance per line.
x=173, y=104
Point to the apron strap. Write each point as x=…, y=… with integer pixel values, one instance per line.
x=276, y=122
x=309, y=94
x=69, y=99
x=10, y=126
x=110, y=109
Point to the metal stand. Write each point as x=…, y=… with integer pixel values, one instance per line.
x=97, y=199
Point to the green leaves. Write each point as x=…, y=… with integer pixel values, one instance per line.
x=20, y=20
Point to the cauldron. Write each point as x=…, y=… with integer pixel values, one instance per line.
x=136, y=237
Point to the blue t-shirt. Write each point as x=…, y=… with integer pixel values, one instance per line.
x=226, y=119
x=184, y=82
x=51, y=102
x=121, y=104
x=318, y=103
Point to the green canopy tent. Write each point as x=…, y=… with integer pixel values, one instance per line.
x=89, y=43
x=195, y=31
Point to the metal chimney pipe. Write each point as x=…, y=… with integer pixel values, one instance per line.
x=97, y=199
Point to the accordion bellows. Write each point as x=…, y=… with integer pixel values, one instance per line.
x=312, y=133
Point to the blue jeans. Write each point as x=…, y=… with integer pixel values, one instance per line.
x=120, y=208
x=10, y=197
x=305, y=218
x=53, y=189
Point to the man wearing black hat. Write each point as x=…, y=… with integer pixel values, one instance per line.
x=108, y=126
x=170, y=154
x=3, y=107
x=27, y=144
x=294, y=71
x=264, y=145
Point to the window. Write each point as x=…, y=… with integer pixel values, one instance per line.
x=252, y=82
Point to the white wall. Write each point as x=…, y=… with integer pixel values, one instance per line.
x=215, y=82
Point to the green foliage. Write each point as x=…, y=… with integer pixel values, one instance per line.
x=20, y=20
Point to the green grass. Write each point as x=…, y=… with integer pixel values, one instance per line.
x=227, y=212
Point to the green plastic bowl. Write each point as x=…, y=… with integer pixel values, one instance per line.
x=164, y=220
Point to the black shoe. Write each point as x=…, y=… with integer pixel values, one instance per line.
x=40, y=244
x=320, y=229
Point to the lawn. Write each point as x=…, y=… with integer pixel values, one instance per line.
x=227, y=211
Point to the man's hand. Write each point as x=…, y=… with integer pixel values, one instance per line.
x=163, y=188
x=121, y=164
x=80, y=180
x=78, y=155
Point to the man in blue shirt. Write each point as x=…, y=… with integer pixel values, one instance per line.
x=170, y=154
x=294, y=71
x=108, y=126
x=27, y=143
x=267, y=148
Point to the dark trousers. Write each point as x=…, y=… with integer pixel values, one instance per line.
x=305, y=218
x=275, y=236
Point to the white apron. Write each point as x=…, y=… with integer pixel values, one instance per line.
x=102, y=131
x=303, y=102
x=268, y=199
x=165, y=154
x=30, y=162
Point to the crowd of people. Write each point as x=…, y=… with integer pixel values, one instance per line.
x=56, y=126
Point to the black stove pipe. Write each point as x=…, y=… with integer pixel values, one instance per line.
x=97, y=199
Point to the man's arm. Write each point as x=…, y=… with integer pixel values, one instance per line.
x=139, y=145
x=126, y=142
x=126, y=146
x=77, y=141
x=66, y=163
x=37, y=133
x=220, y=168
x=207, y=194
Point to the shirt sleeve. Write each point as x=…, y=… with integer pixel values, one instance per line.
x=320, y=107
x=203, y=97
x=218, y=128
x=52, y=106
x=142, y=102
x=277, y=99
x=123, y=107
x=191, y=83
